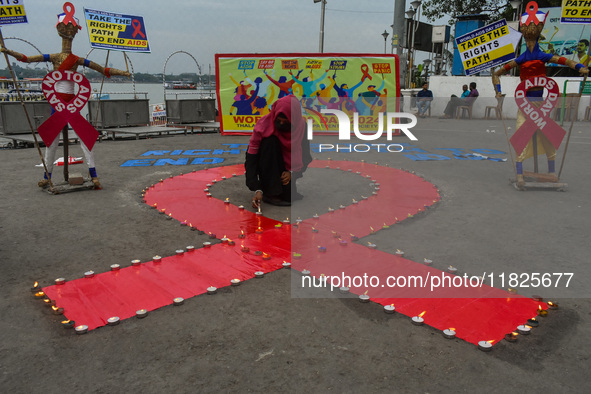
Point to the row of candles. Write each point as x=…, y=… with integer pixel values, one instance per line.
x=115, y=320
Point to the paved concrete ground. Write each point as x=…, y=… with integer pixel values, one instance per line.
x=257, y=337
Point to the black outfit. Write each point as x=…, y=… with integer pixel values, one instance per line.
x=264, y=169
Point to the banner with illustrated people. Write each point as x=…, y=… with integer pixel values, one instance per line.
x=118, y=32
x=11, y=12
x=247, y=86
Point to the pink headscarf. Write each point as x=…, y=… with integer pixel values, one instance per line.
x=291, y=143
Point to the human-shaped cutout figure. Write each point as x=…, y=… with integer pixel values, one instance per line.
x=67, y=27
x=532, y=63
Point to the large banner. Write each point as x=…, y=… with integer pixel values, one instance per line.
x=247, y=86
x=563, y=39
x=118, y=32
x=11, y=12
x=487, y=47
x=576, y=11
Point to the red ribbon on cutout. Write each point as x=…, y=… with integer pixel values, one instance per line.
x=67, y=112
x=537, y=118
x=138, y=29
x=69, y=10
x=532, y=10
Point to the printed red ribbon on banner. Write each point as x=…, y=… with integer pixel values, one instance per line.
x=67, y=112
x=365, y=71
x=138, y=29
x=537, y=118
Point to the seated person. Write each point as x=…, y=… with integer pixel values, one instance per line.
x=424, y=98
x=278, y=154
x=452, y=105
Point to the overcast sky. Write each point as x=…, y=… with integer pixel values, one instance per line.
x=206, y=27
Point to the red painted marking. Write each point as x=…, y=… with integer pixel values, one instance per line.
x=152, y=285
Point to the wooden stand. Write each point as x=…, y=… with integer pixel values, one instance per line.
x=537, y=181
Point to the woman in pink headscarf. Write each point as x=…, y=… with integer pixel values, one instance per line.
x=278, y=153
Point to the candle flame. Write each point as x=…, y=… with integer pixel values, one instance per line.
x=491, y=341
x=392, y=305
x=365, y=292
x=422, y=313
x=539, y=307
x=35, y=284
x=55, y=308
x=398, y=251
x=227, y=199
x=266, y=255
x=47, y=300
x=65, y=321
x=372, y=230
x=40, y=294
x=550, y=303
x=452, y=329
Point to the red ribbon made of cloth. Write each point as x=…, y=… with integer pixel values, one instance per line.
x=537, y=118
x=138, y=29
x=67, y=112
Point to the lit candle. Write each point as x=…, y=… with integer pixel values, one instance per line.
x=428, y=262
x=552, y=305
x=241, y=207
x=184, y=223
x=485, y=346
x=48, y=302
x=81, y=329
x=399, y=253
x=36, y=287
x=266, y=256
x=245, y=248
x=371, y=246
x=449, y=333
x=211, y=236
x=156, y=259
x=57, y=311
x=39, y=294
x=315, y=216
x=224, y=178
x=169, y=216
x=68, y=323
x=113, y=321
x=224, y=240
x=178, y=301
x=141, y=313
x=259, y=274
x=135, y=263
x=208, y=194
x=206, y=190
x=389, y=309
x=363, y=197
x=511, y=337
x=314, y=230
x=192, y=228
x=354, y=238
x=344, y=289
x=259, y=230
x=235, y=282
x=385, y=226
x=60, y=281
x=542, y=312
x=212, y=290
x=89, y=274
x=364, y=297
x=241, y=234
x=299, y=220
x=342, y=206
x=452, y=269
x=355, y=201
x=418, y=320
x=524, y=329
x=305, y=272
x=154, y=206
x=330, y=209
x=227, y=200
x=286, y=265
x=533, y=322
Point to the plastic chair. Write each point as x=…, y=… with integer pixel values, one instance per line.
x=498, y=109
x=464, y=110
x=571, y=106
